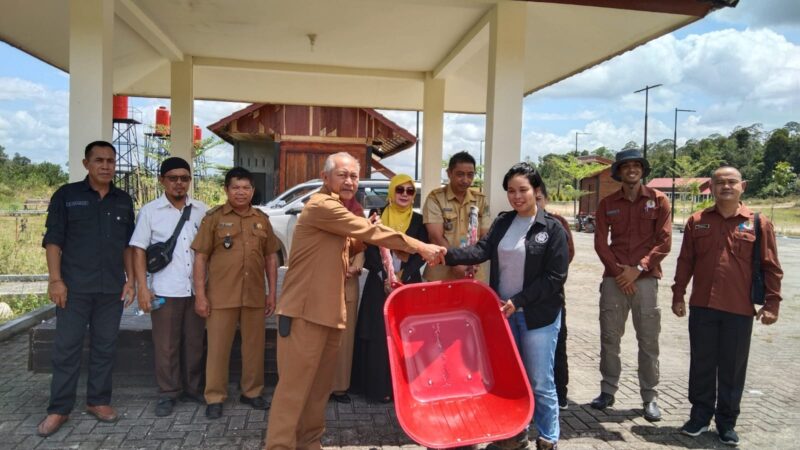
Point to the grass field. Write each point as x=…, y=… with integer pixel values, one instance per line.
x=21, y=249
x=21, y=304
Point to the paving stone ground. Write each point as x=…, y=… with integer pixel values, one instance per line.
x=770, y=413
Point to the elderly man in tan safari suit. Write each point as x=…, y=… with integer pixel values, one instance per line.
x=311, y=308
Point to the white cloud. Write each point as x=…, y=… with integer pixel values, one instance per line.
x=759, y=67
x=33, y=120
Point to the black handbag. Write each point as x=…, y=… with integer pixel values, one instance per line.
x=757, y=291
x=159, y=255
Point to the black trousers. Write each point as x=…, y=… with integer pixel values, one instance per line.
x=720, y=345
x=561, y=366
x=101, y=313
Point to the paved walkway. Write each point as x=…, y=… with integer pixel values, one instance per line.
x=770, y=412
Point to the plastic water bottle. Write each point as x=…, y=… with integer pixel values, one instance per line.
x=156, y=303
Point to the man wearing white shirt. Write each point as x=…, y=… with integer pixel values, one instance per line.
x=177, y=330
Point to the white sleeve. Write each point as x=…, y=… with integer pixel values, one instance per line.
x=143, y=232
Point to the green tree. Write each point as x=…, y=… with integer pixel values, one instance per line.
x=603, y=152
x=686, y=167
x=576, y=170
x=783, y=181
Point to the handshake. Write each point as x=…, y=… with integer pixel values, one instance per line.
x=432, y=254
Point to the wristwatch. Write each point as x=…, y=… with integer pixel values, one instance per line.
x=641, y=268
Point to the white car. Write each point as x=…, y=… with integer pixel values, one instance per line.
x=283, y=210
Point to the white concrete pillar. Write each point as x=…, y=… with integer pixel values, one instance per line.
x=432, y=134
x=91, y=29
x=182, y=108
x=505, y=92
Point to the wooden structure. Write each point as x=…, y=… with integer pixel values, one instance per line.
x=284, y=145
x=598, y=185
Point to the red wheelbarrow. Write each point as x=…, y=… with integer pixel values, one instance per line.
x=457, y=376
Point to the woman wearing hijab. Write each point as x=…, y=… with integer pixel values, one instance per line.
x=341, y=378
x=371, y=374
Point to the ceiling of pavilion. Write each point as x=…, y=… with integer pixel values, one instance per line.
x=366, y=53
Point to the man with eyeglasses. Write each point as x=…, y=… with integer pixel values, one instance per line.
x=177, y=329
x=312, y=315
x=235, y=247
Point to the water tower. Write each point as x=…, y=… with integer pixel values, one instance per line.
x=125, y=137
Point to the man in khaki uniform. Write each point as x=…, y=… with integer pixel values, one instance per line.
x=235, y=246
x=446, y=216
x=311, y=312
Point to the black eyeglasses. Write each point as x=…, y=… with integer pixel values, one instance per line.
x=408, y=190
x=175, y=178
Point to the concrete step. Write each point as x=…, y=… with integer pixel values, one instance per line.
x=135, y=348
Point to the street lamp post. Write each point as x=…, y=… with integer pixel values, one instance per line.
x=675, y=155
x=577, y=181
x=646, y=90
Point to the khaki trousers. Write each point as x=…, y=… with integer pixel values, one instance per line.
x=614, y=308
x=178, y=341
x=344, y=363
x=221, y=327
x=306, y=363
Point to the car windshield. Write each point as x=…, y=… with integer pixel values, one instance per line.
x=290, y=196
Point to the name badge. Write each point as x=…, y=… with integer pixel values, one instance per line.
x=613, y=212
x=224, y=225
x=702, y=226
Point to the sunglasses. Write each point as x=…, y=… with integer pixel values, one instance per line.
x=407, y=191
x=175, y=178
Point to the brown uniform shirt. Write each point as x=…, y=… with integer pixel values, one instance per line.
x=236, y=272
x=442, y=206
x=641, y=232
x=314, y=285
x=718, y=254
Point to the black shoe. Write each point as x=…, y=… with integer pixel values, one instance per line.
x=255, y=402
x=187, y=397
x=214, y=410
x=563, y=404
x=693, y=429
x=164, y=406
x=341, y=398
x=651, y=411
x=728, y=437
x=603, y=401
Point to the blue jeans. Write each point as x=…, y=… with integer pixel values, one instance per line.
x=537, y=349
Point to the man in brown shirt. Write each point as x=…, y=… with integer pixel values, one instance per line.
x=311, y=311
x=446, y=216
x=717, y=253
x=234, y=248
x=638, y=219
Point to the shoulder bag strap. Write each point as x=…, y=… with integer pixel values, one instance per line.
x=184, y=217
x=757, y=247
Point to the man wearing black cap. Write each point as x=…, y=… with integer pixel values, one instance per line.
x=638, y=219
x=167, y=294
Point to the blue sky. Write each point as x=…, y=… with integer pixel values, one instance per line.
x=735, y=67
